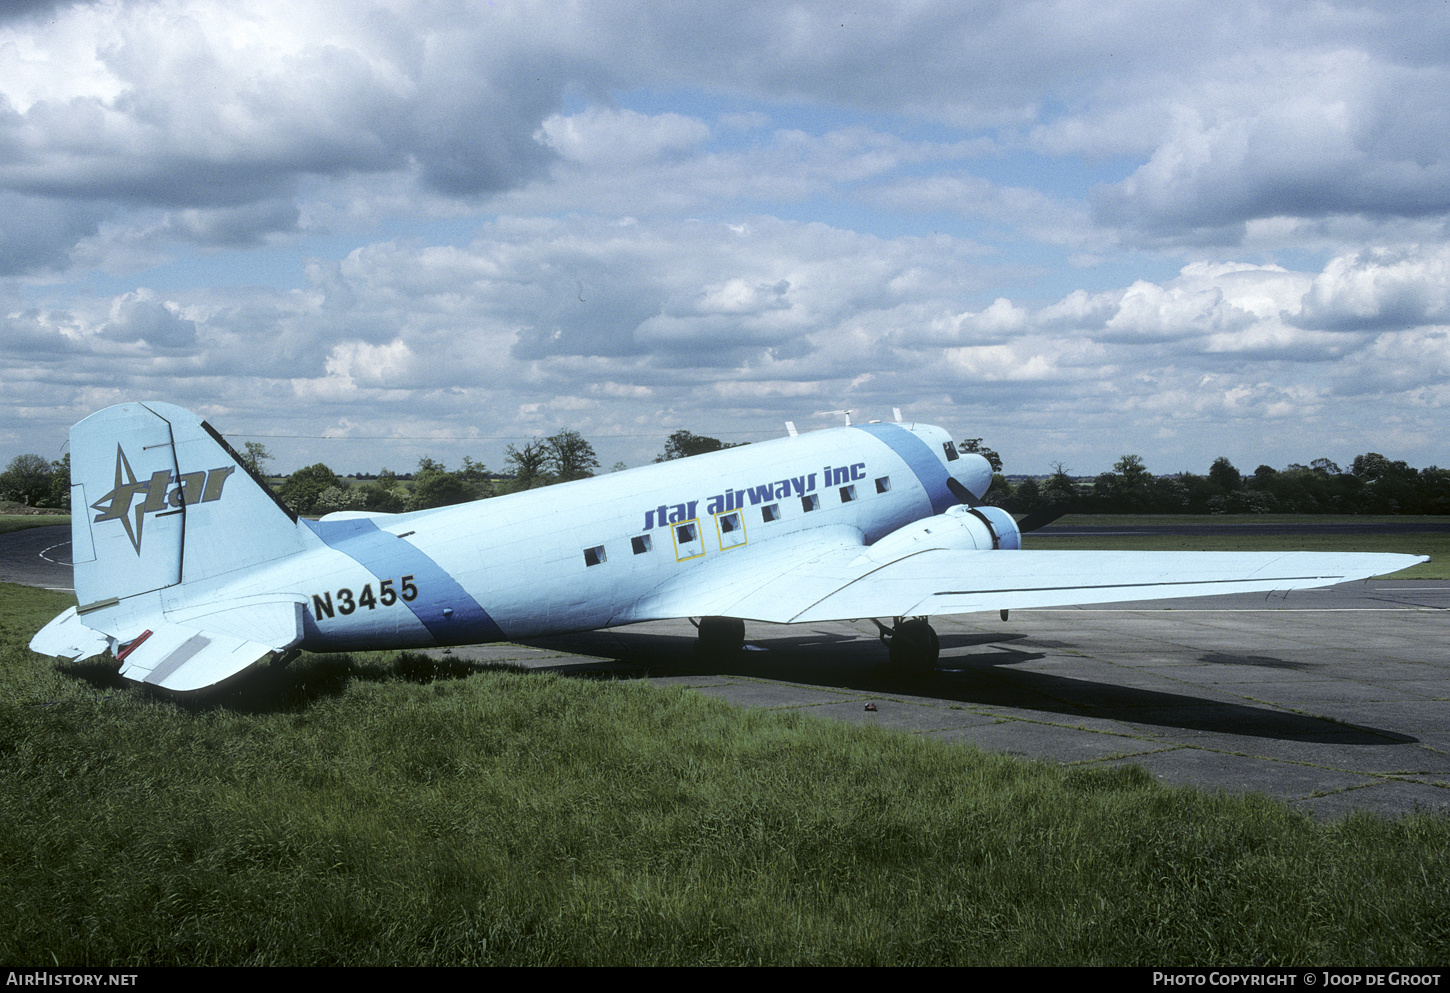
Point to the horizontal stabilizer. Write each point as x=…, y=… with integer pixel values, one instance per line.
x=67, y=638
x=211, y=645
x=208, y=646
x=181, y=659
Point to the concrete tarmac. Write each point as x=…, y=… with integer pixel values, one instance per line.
x=1330, y=700
x=37, y=557
x=1330, y=709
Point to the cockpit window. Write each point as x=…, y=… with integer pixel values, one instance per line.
x=951, y=451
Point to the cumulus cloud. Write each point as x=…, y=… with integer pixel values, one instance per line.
x=1311, y=134
x=139, y=318
x=38, y=233
x=606, y=137
x=1381, y=288
x=1056, y=221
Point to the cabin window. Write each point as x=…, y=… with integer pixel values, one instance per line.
x=810, y=502
x=951, y=451
x=770, y=512
x=594, y=556
x=641, y=544
x=848, y=493
x=883, y=485
x=732, y=530
x=687, y=541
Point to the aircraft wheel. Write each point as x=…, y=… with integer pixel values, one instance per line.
x=914, y=646
x=720, y=635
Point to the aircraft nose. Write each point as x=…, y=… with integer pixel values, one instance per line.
x=974, y=472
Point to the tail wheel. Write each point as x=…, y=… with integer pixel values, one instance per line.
x=914, y=646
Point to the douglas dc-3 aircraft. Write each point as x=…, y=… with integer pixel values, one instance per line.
x=191, y=571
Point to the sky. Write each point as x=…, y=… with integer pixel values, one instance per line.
x=363, y=232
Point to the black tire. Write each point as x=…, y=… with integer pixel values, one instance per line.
x=915, y=647
x=720, y=635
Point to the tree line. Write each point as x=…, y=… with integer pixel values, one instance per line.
x=34, y=481
x=559, y=458
x=1372, y=484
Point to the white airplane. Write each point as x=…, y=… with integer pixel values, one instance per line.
x=191, y=572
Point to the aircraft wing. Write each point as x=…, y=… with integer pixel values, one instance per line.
x=846, y=583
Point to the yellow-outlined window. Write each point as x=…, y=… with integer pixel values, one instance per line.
x=688, y=542
x=730, y=529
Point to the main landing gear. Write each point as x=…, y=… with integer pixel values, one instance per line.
x=913, y=645
x=719, y=635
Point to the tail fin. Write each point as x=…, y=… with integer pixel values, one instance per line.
x=158, y=498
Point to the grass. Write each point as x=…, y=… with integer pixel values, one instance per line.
x=1434, y=544
x=387, y=809
x=19, y=522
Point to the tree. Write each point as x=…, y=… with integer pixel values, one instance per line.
x=255, y=458
x=1125, y=489
x=300, y=490
x=975, y=446
x=437, y=488
x=474, y=473
x=1132, y=471
x=1373, y=465
x=27, y=480
x=382, y=499
x=682, y=444
x=526, y=464
x=1026, y=496
x=555, y=459
x=60, y=482
x=336, y=498
x=1059, y=487
x=1223, y=475
x=570, y=456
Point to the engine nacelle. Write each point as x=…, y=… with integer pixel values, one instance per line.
x=964, y=528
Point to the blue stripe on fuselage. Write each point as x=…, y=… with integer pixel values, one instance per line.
x=387, y=556
x=920, y=457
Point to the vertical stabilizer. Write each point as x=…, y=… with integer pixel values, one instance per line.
x=158, y=499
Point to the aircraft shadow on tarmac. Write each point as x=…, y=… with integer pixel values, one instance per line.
x=974, y=670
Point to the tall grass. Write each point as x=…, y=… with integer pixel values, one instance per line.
x=374, y=809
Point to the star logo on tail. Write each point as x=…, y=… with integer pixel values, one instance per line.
x=160, y=495
x=114, y=505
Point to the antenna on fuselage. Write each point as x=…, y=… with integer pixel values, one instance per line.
x=790, y=426
x=896, y=412
x=828, y=413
